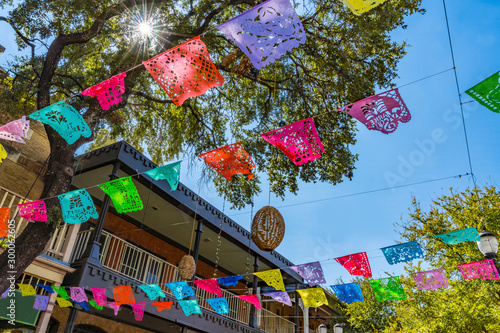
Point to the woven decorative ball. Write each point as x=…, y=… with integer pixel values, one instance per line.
x=187, y=267
x=268, y=228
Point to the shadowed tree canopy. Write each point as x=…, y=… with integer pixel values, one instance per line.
x=76, y=44
x=467, y=305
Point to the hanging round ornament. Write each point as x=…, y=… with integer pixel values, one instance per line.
x=187, y=267
x=268, y=228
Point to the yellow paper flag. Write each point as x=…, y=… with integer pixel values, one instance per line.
x=362, y=6
x=26, y=289
x=63, y=303
x=273, y=278
x=313, y=297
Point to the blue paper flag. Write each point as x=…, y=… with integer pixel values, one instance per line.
x=46, y=288
x=153, y=291
x=402, y=252
x=460, y=236
x=218, y=304
x=180, y=289
x=65, y=120
x=41, y=302
x=77, y=207
x=230, y=280
x=83, y=305
x=349, y=293
x=171, y=172
x=190, y=307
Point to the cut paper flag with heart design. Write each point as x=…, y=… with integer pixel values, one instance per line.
x=311, y=272
x=230, y=160
x=78, y=294
x=61, y=291
x=65, y=120
x=63, y=303
x=280, y=296
x=361, y=6
x=266, y=32
x=190, y=307
x=77, y=206
x=229, y=281
x=349, y=292
x=114, y=306
x=123, y=193
x=26, y=289
x=153, y=291
x=298, y=141
x=210, y=285
x=484, y=269
x=357, y=264
x=46, y=288
x=431, y=280
x=387, y=288
x=138, y=309
x=272, y=278
x=94, y=304
x=4, y=221
x=218, y=304
x=3, y=154
x=251, y=299
x=185, y=71
x=162, y=305
x=170, y=172
x=180, y=289
x=313, y=297
x=15, y=130
x=41, y=302
x=487, y=92
x=33, y=211
x=402, y=252
x=382, y=112
x=460, y=236
x=123, y=295
x=108, y=92
x=99, y=294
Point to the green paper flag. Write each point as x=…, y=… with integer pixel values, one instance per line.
x=487, y=92
x=171, y=172
x=124, y=194
x=61, y=291
x=388, y=288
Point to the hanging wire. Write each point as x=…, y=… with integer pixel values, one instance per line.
x=219, y=236
x=194, y=223
x=247, y=268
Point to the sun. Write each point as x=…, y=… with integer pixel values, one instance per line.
x=145, y=29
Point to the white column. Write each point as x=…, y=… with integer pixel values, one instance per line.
x=43, y=320
x=305, y=315
x=69, y=243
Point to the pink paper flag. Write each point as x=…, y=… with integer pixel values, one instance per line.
x=114, y=306
x=484, y=269
x=138, y=309
x=108, y=92
x=210, y=285
x=78, y=294
x=15, y=130
x=356, y=264
x=34, y=211
x=99, y=295
x=251, y=299
x=381, y=112
x=430, y=280
x=298, y=141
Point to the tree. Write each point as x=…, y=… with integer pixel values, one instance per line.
x=467, y=305
x=344, y=59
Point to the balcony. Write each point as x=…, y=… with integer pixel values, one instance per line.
x=128, y=260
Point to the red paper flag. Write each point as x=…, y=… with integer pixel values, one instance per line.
x=230, y=160
x=163, y=305
x=356, y=264
x=251, y=299
x=108, y=92
x=4, y=221
x=185, y=71
x=123, y=295
x=210, y=285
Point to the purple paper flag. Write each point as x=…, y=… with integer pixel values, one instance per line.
x=78, y=294
x=266, y=32
x=311, y=272
x=41, y=302
x=114, y=306
x=280, y=296
x=430, y=280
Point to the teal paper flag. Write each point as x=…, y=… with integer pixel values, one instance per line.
x=487, y=92
x=65, y=120
x=460, y=236
x=77, y=207
x=171, y=172
x=153, y=291
x=190, y=307
x=218, y=304
x=180, y=289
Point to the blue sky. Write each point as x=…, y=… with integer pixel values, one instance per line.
x=430, y=146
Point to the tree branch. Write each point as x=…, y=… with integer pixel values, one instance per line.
x=26, y=40
x=150, y=98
